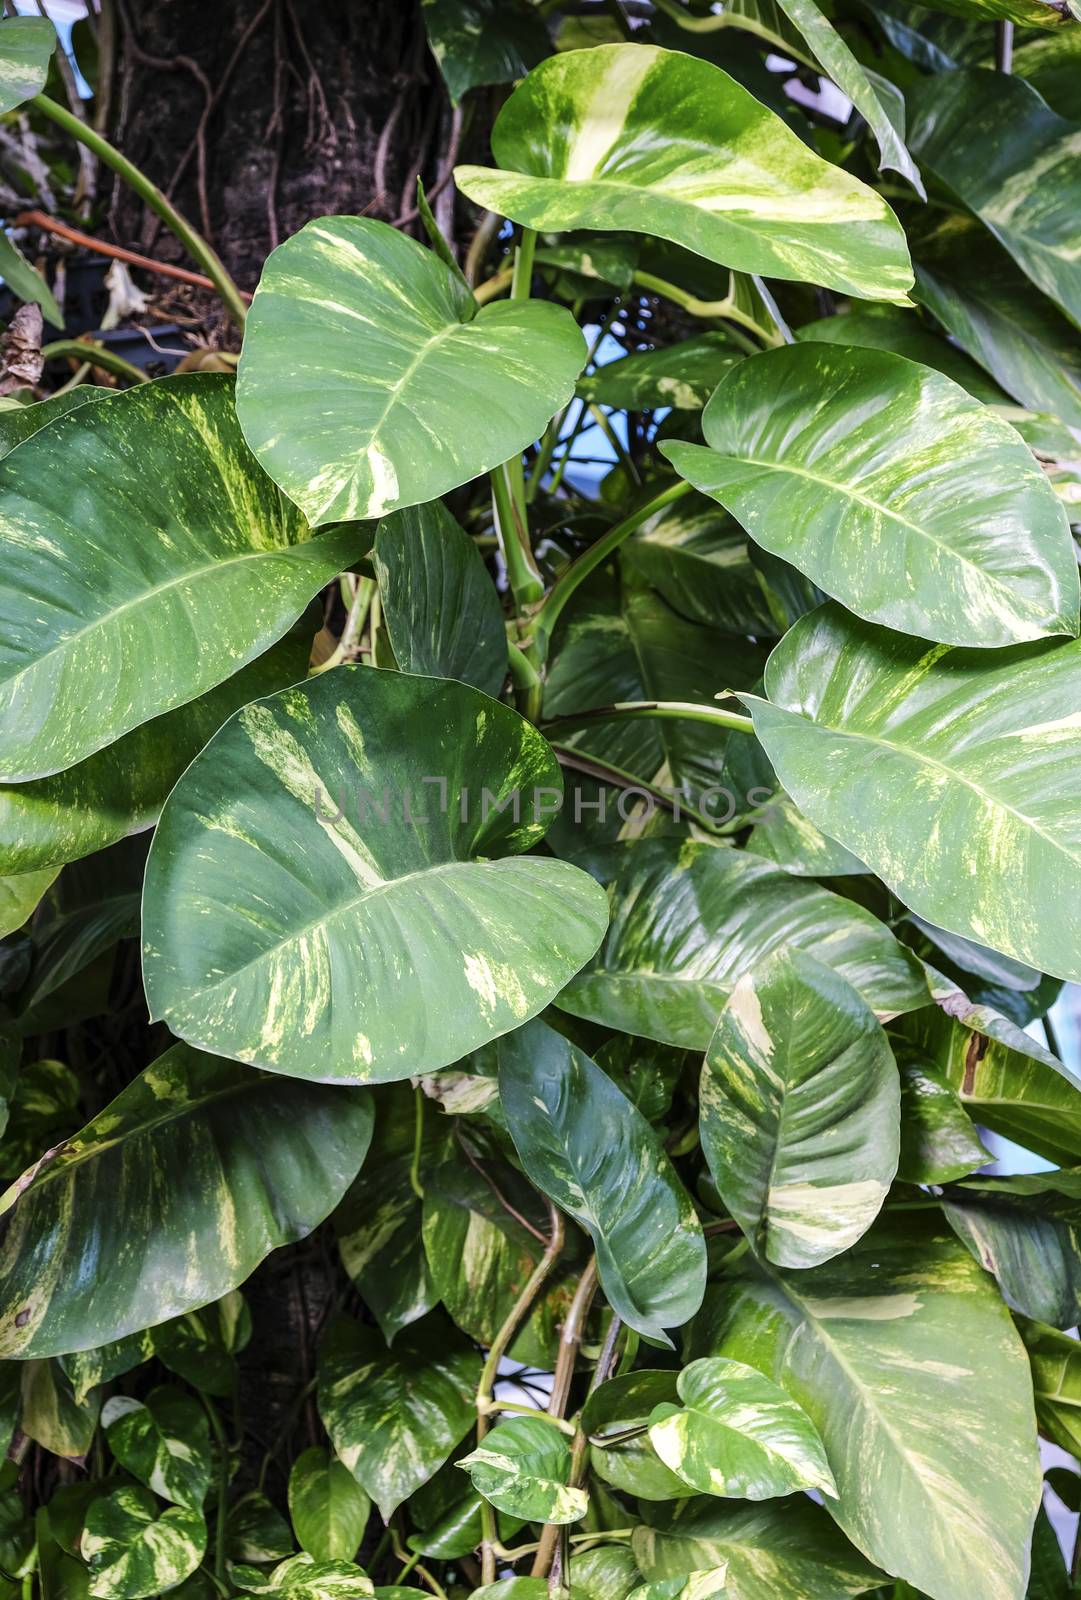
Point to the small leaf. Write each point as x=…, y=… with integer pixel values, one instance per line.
x=681, y=376
x=522, y=1467
x=19, y=895
x=1026, y=1231
x=135, y=1550
x=938, y=1139
x=615, y=1419
x=738, y=1435
x=479, y=42
x=202, y=1345
x=328, y=1507
x=26, y=46
x=164, y=1442
x=51, y=1413
x=703, y=1585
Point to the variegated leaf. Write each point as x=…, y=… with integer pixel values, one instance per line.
x=158, y=1191
x=202, y=1345
x=689, y=919
x=849, y=463
x=769, y=1550
x=388, y=358
x=657, y=142
x=903, y=333
x=606, y=1572
x=134, y=1549
x=910, y=757
x=711, y=1585
x=1013, y=162
x=904, y=1357
x=394, y=1416
x=303, y=1577
x=440, y=607
x=163, y=1441
x=178, y=565
x=328, y=1507
x=522, y=1467
x=678, y=376
x=615, y=1419
x=585, y=1146
x=800, y=1110
x=21, y=422
x=26, y=44
x=1055, y=1360
x=120, y=790
x=696, y=555
x=1026, y=1231
x=738, y=1435
x=400, y=930
x=939, y=1141
x=484, y=41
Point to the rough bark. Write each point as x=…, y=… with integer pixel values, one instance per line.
x=257, y=115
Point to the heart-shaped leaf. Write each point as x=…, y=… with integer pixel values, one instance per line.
x=163, y=1441
x=522, y=1468
x=800, y=1110
x=909, y=757
x=615, y=1419
x=304, y=1578
x=390, y=365
x=1026, y=188
x=689, y=919
x=173, y=1159
x=738, y=1435
x=120, y=790
x=328, y=1507
x=387, y=940
x=484, y=41
x=394, y=1416
x=658, y=142
x=584, y=1145
x=134, y=1549
x=903, y=1344
x=26, y=45
x=440, y=607
x=179, y=564
x=893, y=490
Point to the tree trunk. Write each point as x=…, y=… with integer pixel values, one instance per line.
x=257, y=115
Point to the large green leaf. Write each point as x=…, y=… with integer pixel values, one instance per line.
x=904, y=1357
x=770, y=1550
x=440, y=606
x=1014, y=163
x=615, y=1419
x=738, y=1435
x=585, y=1146
x=681, y=376
x=135, y=1549
x=972, y=285
x=120, y=790
x=328, y=1507
x=176, y=1191
x=618, y=641
x=1003, y=1078
x=689, y=919
x=697, y=556
x=26, y=44
x=1026, y=1231
x=163, y=1441
x=484, y=41
x=893, y=490
x=394, y=1416
x=390, y=370
x=177, y=564
x=522, y=1468
x=800, y=1110
x=910, y=757
x=657, y=142
x=385, y=941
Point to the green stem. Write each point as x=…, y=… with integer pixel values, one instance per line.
x=223, y=1486
x=494, y=1406
x=522, y=670
x=95, y=356
x=682, y=710
x=624, y=458
x=526, y=583
x=522, y=277
x=196, y=246
x=590, y=559
x=725, y=310
x=492, y=287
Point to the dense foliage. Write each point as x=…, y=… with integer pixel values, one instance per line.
x=599, y=911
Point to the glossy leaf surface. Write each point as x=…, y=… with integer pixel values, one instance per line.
x=388, y=360
x=179, y=565
x=135, y=1549
x=522, y=1468
x=849, y=463
x=585, y=1146
x=908, y=756
x=196, y=1171
x=328, y=1507
x=163, y=1441
x=379, y=945
x=26, y=43
x=724, y=178
x=800, y=1110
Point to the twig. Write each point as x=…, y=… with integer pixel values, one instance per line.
x=41, y=219
x=570, y=1339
